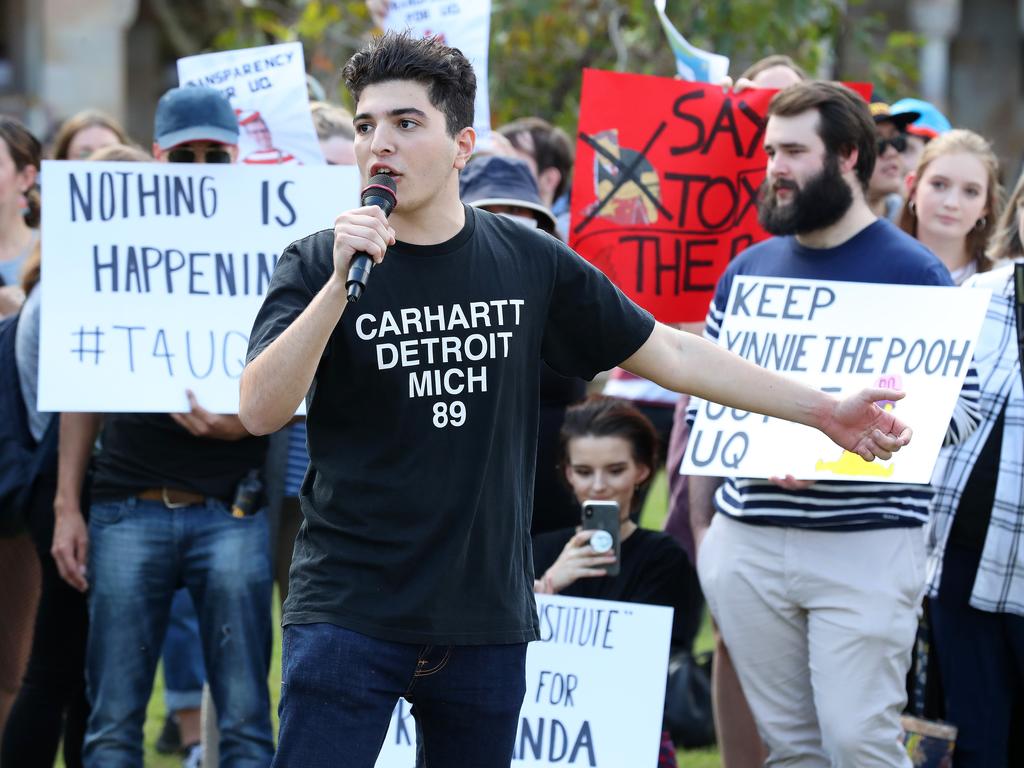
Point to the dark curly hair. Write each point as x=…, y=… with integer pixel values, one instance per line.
x=845, y=120
x=447, y=74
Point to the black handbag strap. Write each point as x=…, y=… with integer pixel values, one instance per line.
x=1018, y=293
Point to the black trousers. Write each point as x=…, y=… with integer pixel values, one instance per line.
x=981, y=656
x=51, y=701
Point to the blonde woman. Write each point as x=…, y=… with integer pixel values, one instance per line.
x=1007, y=242
x=953, y=201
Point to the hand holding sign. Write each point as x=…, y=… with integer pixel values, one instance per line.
x=202, y=423
x=860, y=426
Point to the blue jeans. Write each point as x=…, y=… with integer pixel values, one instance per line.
x=140, y=552
x=339, y=688
x=184, y=673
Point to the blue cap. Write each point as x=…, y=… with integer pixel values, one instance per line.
x=194, y=113
x=494, y=180
x=930, y=121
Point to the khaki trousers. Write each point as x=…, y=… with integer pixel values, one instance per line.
x=820, y=626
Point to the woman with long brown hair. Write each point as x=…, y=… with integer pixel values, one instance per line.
x=51, y=705
x=85, y=132
x=609, y=453
x=953, y=201
x=20, y=154
x=20, y=157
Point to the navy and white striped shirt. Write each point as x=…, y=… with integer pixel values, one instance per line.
x=298, y=460
x=880, y=253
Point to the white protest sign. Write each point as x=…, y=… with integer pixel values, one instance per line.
x=153, y=274
x=840, y=337
x=267, y=88
x=595, y=688
x=462, y=24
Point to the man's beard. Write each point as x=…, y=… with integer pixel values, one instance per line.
x=822, y=201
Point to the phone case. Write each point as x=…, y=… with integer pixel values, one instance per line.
x=604, y=515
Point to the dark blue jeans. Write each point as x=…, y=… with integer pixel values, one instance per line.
x=140, y=552
x=339, y=688
x=981, y=658
x=184, y=672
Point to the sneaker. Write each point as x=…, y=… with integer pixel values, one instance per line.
x=192, y=757
x=169, y=740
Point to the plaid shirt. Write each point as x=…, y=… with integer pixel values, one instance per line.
x=999, y=585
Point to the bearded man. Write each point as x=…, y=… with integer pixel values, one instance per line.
x=815, y=586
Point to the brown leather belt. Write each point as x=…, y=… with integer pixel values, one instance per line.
x=171, y=497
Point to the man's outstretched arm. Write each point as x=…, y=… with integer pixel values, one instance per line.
x=686, y=363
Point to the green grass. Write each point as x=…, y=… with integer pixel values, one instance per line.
x=653, y=516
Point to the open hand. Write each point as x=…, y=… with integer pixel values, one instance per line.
x=857, y=424
x=70, y=548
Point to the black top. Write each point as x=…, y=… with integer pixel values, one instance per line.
x=151, y=450
x=422, y=422
x=554, y=506
x=653, y=569
x=970, y=523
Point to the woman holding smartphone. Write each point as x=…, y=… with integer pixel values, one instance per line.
x=608, y=453
x=609, y=450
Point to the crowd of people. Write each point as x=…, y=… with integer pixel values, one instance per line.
x=131, y=548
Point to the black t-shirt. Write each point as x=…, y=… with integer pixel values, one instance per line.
x=653, y=569
x=422, y=426
x=150, y=450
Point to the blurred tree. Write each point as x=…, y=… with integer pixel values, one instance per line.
x=539, y=47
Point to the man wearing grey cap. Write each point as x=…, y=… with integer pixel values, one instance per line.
x=173, y=505
x=195, y=124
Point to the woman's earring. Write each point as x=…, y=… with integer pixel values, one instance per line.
x=980, y=224
x=913, y=208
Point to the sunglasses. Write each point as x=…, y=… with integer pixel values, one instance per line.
x=899, y=143
x=185, y=155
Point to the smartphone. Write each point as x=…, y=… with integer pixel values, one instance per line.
x=603, y=516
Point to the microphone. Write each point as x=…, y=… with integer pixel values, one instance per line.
x=380, y=191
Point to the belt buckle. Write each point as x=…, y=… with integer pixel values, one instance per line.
x=170, y=504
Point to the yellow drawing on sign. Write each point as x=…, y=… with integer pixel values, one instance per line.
x=851, y=464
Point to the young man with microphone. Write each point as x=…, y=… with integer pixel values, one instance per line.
x=412, y=574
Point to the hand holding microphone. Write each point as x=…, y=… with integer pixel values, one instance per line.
x=361, y=236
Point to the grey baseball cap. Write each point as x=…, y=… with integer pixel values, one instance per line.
x=194, y=113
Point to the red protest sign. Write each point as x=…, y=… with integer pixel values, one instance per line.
x=665, y=185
